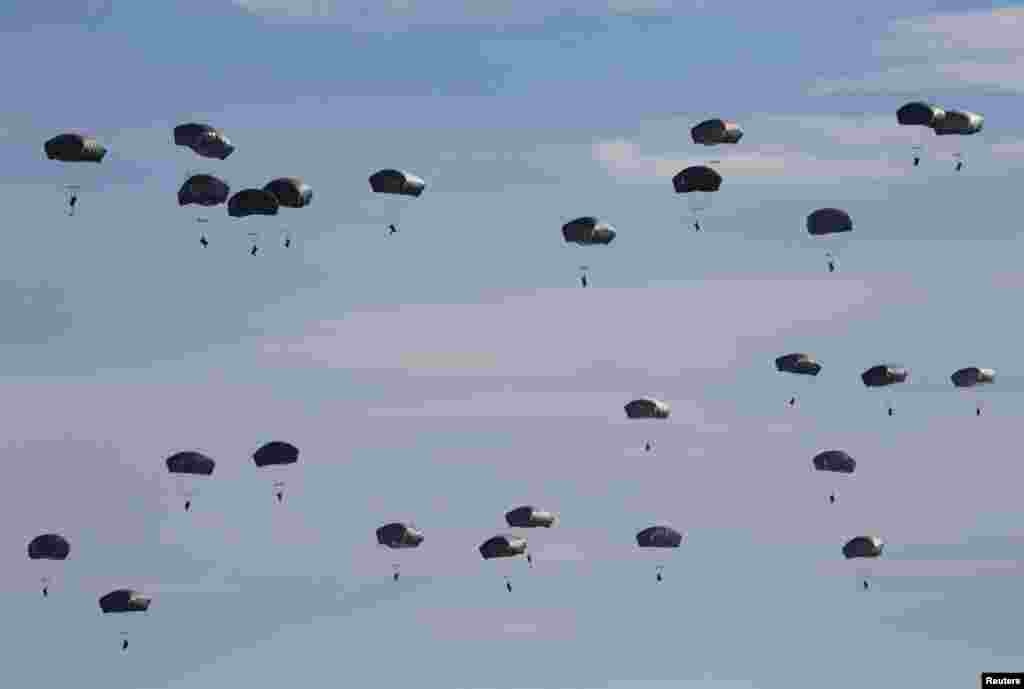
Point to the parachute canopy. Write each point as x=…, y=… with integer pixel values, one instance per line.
x=829, y=221
x=697, y=178
x=716, y=131
x=971, y=376
x=883, y=374
x=190, y=463
x=252, y=202
x=960, y=122
x=647, y=408
x=503, y=546
x=659, y=537
x=920, y=114
x=798, y=363
x=528, y=517
x=863, y=546
x=204, y=140
x=49, y=546
x=203, y=190
x=124, y=600
x=398, y=535
x=396, y=182
x=74, y=148
x=291, y=192
x=835, y=460
x=588, y=230
x=276, y=452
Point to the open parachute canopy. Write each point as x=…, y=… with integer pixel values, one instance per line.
x=204, y=140
x=863, y=546
x=659, y=537
x=960, y=122
x=291, y=192
x=276, y=452
x=972, y=375
x=203, y=190
x=74, y=148
x=588, y=230
x=836, y=461
x=529, y=517
x=252, y=202
x=396, y=182
x=124, y=600
x=920, y=114
x=884, y=374
x=697, y=178
x=398, y=535
x=829, y=221
x=502, y=546
x=49, y=546
x=798, y=363
x=647, y=408
x=716, y=131
x=195, y=463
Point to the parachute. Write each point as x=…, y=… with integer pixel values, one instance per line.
x=863, y=547
x=290, y=192
x=529, y=517
x=960, y=123
x=647, y=408
x=973, y=376
x=826, y=222
x=399, y=536
x=716, y=131
x=799, y=364
x=884, y=375
x=48, y=547
x=587, y=231
x=659, y=537
x=203, y=140
x=396, y=183
x=834, y=461
x=698, y=182
x=249, y=202
x=71, y=147
x=205, y=191
x=919, y=114
x=124, y=601
x=276, y=453
x=187, y=464
x=498, y=547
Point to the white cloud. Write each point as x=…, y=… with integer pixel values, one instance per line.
x=943, y=52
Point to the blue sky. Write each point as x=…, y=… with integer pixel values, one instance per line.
x=456, y=370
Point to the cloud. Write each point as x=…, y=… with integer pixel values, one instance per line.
x=942, y=52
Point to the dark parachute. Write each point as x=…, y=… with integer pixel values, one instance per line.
x=659, y=537
x=204, y=140
x=203, y=190
x=399, y=536
x=529, y=517
x=588, y=231
x=863, y=547
x=276, y=453
x=919, y=114
x=396, y=182
x=498, y=547
x=74, y=148
x=291, y=192
x=252, y=202
x=49, y=546
x=797, y=363
x=961, y=123
x=884, y=375
x=835, y=460
x=189, y=464
x=973, y=376
x=829, y=221
x=698, y=182
x=124, y=601
x=716, y=131
x=647, y=408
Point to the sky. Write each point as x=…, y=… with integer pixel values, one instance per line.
x=453, y=371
